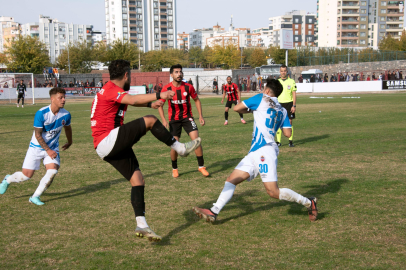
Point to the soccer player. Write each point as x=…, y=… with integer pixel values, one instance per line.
x=44, y=145
x=21, y=90
x=114, y=140
x=234, y=97
x=288, y=101
x=180, y=115
x=269, y=116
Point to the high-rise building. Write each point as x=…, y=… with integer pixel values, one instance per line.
x=351, y=23
x=183, y=41
x=57, y=35
x=151, y=24
x=302, y=23
x=8, y=30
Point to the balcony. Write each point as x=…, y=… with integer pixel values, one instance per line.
x=349, y=36
x=394, y=19
x=351, y=12
x=349, y=42
x=395, y=12
x=349, y=20
x=350, y=28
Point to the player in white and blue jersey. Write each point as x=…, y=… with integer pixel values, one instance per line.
x=262, y=158
x=44, y=145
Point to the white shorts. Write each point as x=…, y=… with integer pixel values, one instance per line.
x=262, y=161
x=35, y=155
x=106, y=145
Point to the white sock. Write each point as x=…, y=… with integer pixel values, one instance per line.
x=179, y=147
x=224, y=198
x=17, y=177
x=291, y=196
x=45, y=182
x=141, y=222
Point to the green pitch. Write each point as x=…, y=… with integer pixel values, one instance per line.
x=350, y=154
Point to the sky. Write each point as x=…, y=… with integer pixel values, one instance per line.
x=192, y=14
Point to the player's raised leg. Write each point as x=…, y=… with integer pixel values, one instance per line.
x=16, y=177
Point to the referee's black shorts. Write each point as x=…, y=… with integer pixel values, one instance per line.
x=288, y=106
x=122, y=156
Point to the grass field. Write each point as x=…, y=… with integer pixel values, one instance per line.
x=350, y=154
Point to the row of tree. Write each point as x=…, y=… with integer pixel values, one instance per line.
x=30, y=55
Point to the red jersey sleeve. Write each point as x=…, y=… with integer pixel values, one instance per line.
x=115, y=96
x=236, y=87
x=192, y=92
x=164, y=90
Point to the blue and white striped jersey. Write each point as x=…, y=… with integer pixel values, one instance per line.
x=269, y=116
x=51, y=125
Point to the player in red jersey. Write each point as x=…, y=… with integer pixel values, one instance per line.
x=180, y=115
x=234, y=97
x=114, y=140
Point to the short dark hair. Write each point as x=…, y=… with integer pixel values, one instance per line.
x=275, y=86
x=56, y=90
x=175, y=66
x=118, y=68
x=284, y=66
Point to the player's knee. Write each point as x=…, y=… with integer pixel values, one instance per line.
x=150, y=121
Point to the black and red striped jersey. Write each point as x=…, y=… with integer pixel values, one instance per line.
x=107, y=111
x=232, y=91
x=179, y=106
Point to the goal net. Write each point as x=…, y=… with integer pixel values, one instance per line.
x=8, y=87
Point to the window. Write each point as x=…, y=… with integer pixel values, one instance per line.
x=46, y=36
x=124, y=23
x=139, y=17
x=163, y=17
x=164, y=35
x=363, y=11
x=80, y=30
x=362, y=41
x=363, y=19
x=133, y=9
x=296, y=26
x=133, y=28
x=156, y=30
x=382, y=19
x=124, y=3
x=132, y=3
x=363, y=26
x=164, y=30
x=382, y=26
x=163, y=10
x=363, y=3
x=156, y=11
x=155, y=4
x=170, y=18
x=170, y=37
x=383, y=11
x=125, y=16
x=363, y=34
x=139, y=10
x=170, y=31
x=296, y=44
x=310, y=20
x=383, y=3
x=309, y=32
x=156, y=36
x=125, y=29
x=163, y=23
x=133, y=21
x=296, y=32
x=296, y=20
x=125, y=36
x=310, y=26
x=170, y=43
x=296, y=38
x=139, y=36
x=381, y=34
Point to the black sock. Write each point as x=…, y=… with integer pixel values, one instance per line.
x=200, y=161
x=226, y=115
x=162, y=134
x=174, y=164
x=241, y=115
x=137, y=200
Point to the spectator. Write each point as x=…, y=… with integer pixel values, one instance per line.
x=312, y=79
x=100, y=83
x=45, y=83
x=397, y=74
x=300, y=79
x=56, y=73
x=393, y=77
x=325, y=77
x=156, y=88
x=400, y=75
x=381, y=77
x=50, y=84
x=254, y=82
x=38, y=84
x=71, y=84
x=151, y=88
x=65, y=85
x=50, y=72
x=59, y=84
x=373, y=76
x=368, y=78
x=5, y=85
x=190, y=81
x=160, y=85
x=215, y=85
x=332, y=78
x=45, y=73
x=91, y=84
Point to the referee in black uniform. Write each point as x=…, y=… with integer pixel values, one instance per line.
x=21, y=89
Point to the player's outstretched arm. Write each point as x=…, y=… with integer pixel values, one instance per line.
x=143, y=100
x=162, y=115
x=241, y=108
x=38, y=135
x=224, y=95
x=287, y=132
x=68, y=133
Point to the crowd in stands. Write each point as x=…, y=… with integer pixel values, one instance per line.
x=347, y=77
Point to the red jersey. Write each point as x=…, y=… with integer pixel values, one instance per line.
x=107, y=111
x=231, y=91
x=179, y=106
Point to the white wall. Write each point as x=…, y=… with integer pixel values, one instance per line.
x=339, y=87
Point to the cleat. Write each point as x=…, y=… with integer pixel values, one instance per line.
x=205, y=214
x=191, y=146
x=147, y=233
x=18, y=105
x=243, y=121
x=291, y=144
x=204, y=171
x=278, y=144
x=22, y=106
x=175, y=173
x=4, y=185
x=36, y=200
x=312, y=210
x=226, y=123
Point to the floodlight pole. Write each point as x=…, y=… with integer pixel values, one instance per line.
x=286, y=58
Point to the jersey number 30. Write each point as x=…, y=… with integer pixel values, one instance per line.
x=274, y=120
x=263, y=168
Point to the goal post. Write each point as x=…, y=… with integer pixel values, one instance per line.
x=8, y=86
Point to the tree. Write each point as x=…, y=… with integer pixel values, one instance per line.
x=80, y=57
x=228, y=56
x=121, y=49
x=156, y=60
x=26, y=54
x=257, y=58
x=388, y=43
x=207, y=55
x=196, y=56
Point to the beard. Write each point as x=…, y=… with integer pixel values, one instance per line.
x=126, y=86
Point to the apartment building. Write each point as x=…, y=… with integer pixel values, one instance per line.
x=183, y=41
x=350, y=23
x=302, y=23
x=151, y=24
x=260, y=37
x=8, y=30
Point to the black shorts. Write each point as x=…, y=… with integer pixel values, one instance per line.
x=20, y=96
x=122, y=156
x=289, y=106
x=230, y=103
x=188, y=124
